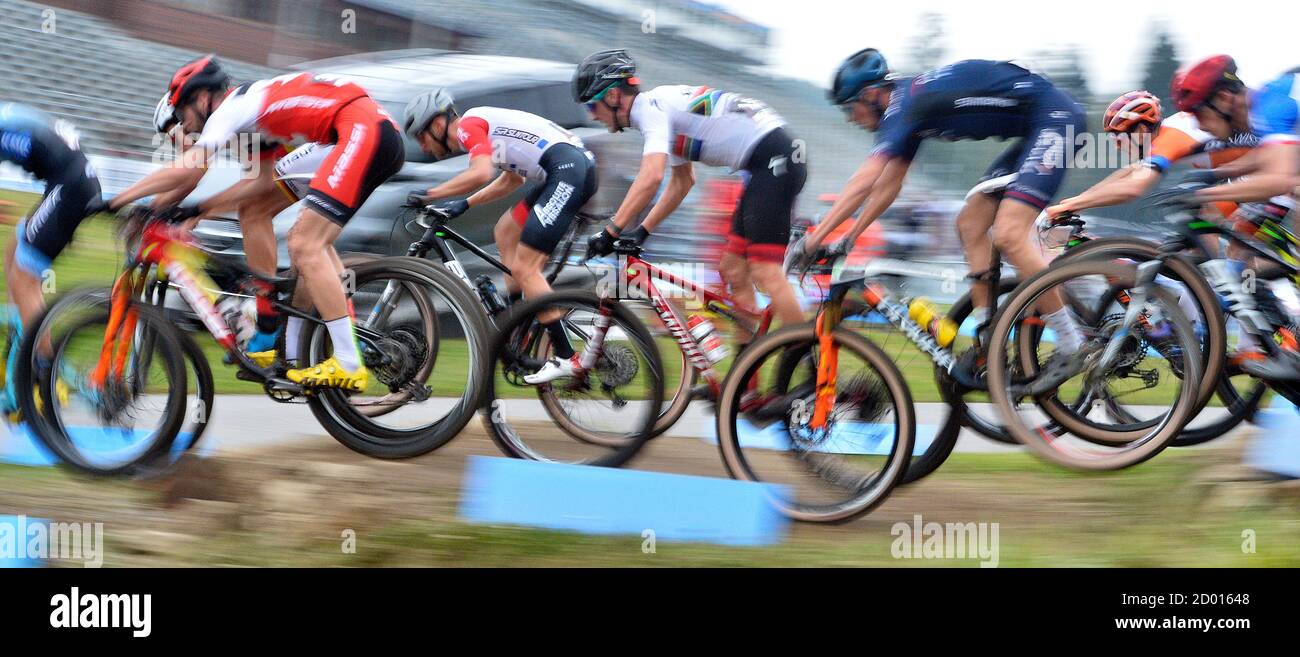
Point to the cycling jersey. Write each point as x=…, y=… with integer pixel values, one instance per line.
x=1275, y=110
x=48, y=149
x=702, y=124
x=40, y=145
x=980, y=99
x=294, y=107
x=1181, y=137
x=514, y=140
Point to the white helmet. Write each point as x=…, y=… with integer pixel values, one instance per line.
x=164, y=115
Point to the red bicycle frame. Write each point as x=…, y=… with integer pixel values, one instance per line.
x=641, y=275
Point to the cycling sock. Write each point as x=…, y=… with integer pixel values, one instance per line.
x=268, y=318
x=345, y=346
x=1068, y=337
x=559, y=340
x=292, y=333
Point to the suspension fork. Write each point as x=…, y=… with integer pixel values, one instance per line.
x=828, y=318
x=121, y=320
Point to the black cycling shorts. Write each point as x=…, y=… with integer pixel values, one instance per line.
x=570, y=183
x=760, y=226
x=45, y=232
x=1040, y=158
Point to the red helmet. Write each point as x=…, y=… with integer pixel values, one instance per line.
x=204, y=73
x=1131, y=110
x=1195, y=84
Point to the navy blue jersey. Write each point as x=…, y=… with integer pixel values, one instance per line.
x=42, y=146
x=972, y=99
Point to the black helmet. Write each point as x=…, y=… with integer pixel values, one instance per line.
x=864, y=68
x=598, y=71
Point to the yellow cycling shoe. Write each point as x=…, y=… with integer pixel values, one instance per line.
x=262, y=358
x=330, y=374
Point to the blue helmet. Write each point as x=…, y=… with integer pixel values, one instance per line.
x=864, y=68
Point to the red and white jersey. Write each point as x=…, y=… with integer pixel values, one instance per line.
x=1181, y=136
x=514, y=140
x=298, y=107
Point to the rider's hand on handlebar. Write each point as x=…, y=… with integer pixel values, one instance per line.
x=1179, y=196
x=637, y=236
x=453, y=209
x=600, y=244
x=179, y=213
x=417, y=198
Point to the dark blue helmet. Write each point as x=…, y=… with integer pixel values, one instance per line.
x=864, y=68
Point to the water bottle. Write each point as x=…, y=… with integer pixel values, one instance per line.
x=942, y=329
x=487, y=291
x=707, y=337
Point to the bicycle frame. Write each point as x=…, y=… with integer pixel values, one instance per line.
x=641, y=276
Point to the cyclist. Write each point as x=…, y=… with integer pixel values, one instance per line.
x=292, y=175
x=314, y=108
x=971, y=99
x=682, y=124
x=1212, y=130
x=50, y=151
x=506, y=149
x=1274, y=168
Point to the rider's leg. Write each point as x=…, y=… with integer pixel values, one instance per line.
x=973, y=223
x=1011, y=236
x=255, y=223
x=506, y=235
x=736, y=274
x=310, y=246
x=570, y=183
x=770, y=278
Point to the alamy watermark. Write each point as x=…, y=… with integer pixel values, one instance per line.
x=952, y=540
x=33, y=539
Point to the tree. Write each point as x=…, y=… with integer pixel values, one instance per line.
x=927, y=47
x=1161, y=64
x=1065, y=68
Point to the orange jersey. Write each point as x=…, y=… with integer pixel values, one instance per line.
x=1181, y=137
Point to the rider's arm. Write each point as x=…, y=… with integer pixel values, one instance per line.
x=505, y=183
x=1277, y=165
x=231, y=197
x=679, y=185
x=1125, y=185
x=479, y=173
x=851, y=198
x=182, y=174
x=642, y=190
x=883, y=194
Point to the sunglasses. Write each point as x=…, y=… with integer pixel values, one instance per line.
x=591, y=104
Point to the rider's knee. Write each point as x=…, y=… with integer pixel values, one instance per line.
x=1010, y=238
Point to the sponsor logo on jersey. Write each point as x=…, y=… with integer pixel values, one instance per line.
x=298, y=102
x=984, y=101
x=513, y=133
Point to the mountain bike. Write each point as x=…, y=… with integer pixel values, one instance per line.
x=605, y=319
x=104, y=347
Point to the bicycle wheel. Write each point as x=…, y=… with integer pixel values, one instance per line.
x=112, y=427
x=601, y=418
x=424, y=344
x=1169, y=405
x=1239, y=394
x=826, y=475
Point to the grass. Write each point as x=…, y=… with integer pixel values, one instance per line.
x=1155, y=515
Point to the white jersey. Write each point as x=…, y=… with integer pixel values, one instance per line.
x=702, y=124
x=514, y=140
